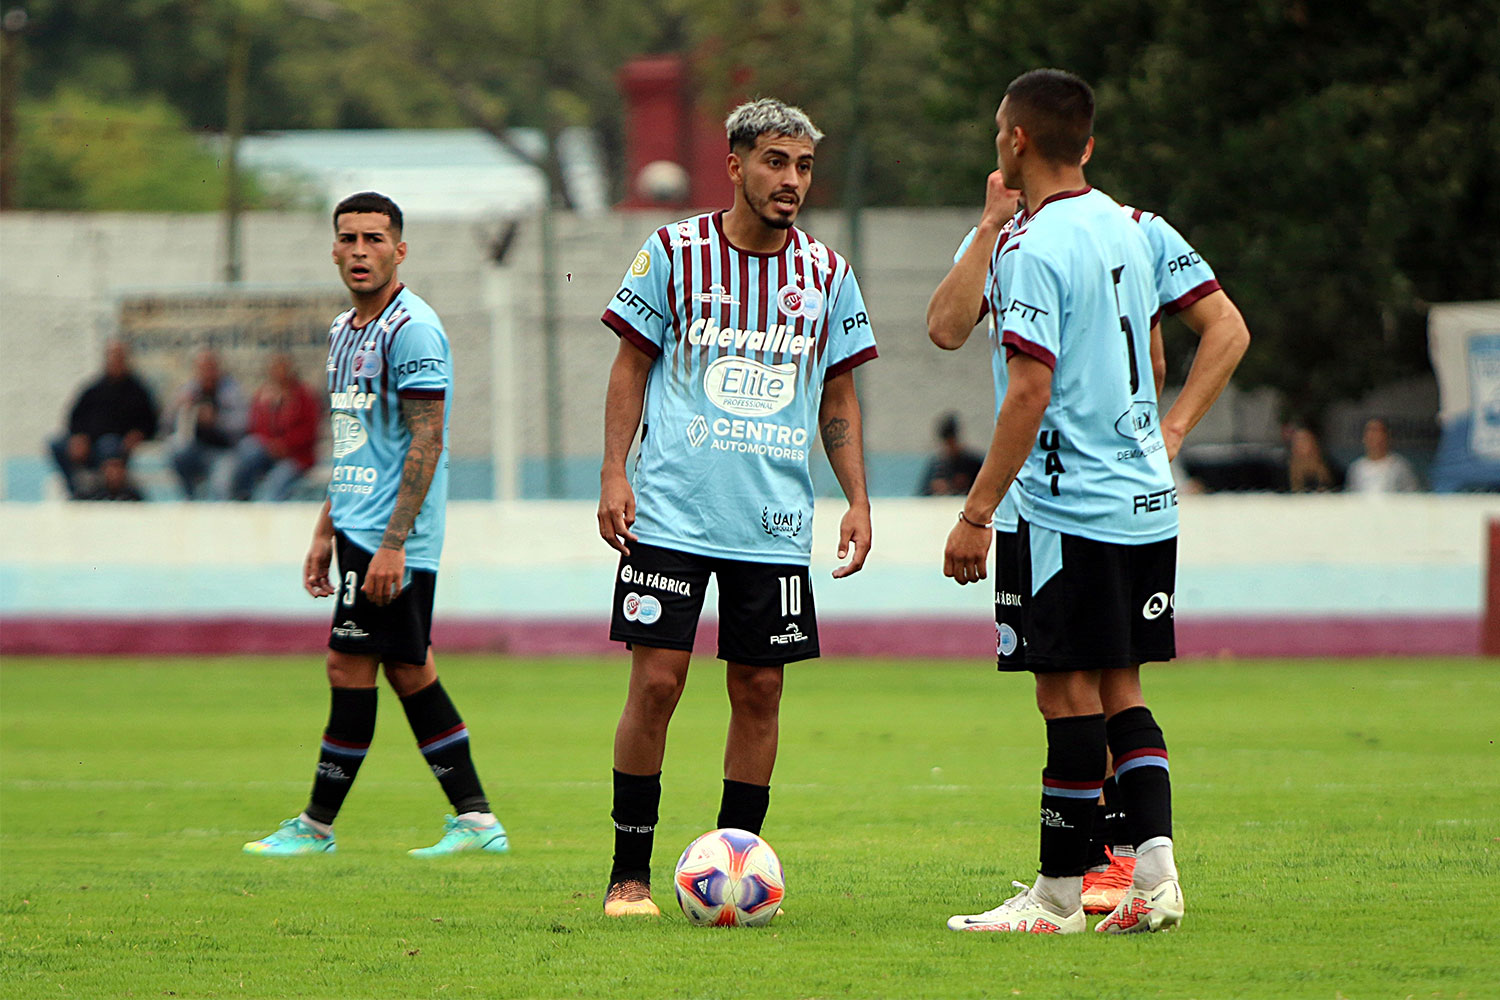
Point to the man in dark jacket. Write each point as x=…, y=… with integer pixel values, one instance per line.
x=109, y=420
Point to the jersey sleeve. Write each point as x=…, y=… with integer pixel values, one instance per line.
x=418, y=359
x=1030, y=313
x=851, y=342
x=638, y=312
x=1182, y=275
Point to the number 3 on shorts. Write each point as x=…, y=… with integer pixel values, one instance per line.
x=351, y=581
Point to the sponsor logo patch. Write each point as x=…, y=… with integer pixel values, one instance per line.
x=750, y=388
x=697, y=431
x=367, y=364
x=349, y=434
x=642, y=263
x=641, y=608
x=1005, y=639
x=1157, y=604
x=781, y=523
x=796, y=301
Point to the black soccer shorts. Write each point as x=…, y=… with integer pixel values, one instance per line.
x=1094, y=605
x=399, y=632
x=1010, y=603
x=766, y=613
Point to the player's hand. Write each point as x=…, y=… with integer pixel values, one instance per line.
x=383, y=578
x=315, y=568
x=967, y=553
x=854, y=533
x=617, y=512
x=999, y=201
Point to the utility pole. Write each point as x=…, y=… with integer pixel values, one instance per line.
x=234, y=128
x=551, y=349
x=11, y=26
x=854, y=177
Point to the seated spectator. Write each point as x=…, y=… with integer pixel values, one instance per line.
x=280, y=448
x=952, y=470
x=1308, y=470
x=108, y=421
x=1380, y=470
x=209, y=414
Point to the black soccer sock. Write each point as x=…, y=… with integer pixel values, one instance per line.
x=744, y=806
x=637, y=798
x=1097, y=857
x=1076, y=762
x=444, y=741
x=1116, y=832
x=346, y=740
x=1141, y=772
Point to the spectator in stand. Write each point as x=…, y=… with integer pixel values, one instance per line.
x=1308, y=469
x=108, y=421
x=209, y=414
x=1380, y=470
x=952, y=470
x=281, y=445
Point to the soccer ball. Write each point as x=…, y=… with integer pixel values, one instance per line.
x=729, y=878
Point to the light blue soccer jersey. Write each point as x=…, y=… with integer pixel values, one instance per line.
x=402, y=354
x=1076, y=289
x=1182, y=275
x=1005, y=515
x=742, y=344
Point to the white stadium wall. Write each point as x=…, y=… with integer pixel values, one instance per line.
x=1258, y=576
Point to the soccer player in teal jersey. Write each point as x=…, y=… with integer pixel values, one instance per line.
x=389, y=387
x=1075, y=296
x=739, y=334
x=1187, y=287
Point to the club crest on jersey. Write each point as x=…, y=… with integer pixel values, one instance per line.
x=367, y=364
x=796, y=301
x=749, y=388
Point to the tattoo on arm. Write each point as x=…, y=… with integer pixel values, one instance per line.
x=424, y=421
x=835, y=433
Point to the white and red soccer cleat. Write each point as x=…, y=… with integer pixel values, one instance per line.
x=1143, y=910
x=1023, y=914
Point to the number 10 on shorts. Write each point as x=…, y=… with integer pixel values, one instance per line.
x=791, y=594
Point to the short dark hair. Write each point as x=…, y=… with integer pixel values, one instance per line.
x=1056, y=109
x=369, y=201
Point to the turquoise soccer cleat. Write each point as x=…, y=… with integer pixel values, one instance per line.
x=293, y=837
x=460, y=835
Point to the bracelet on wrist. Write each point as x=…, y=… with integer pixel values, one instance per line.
x=973, y=524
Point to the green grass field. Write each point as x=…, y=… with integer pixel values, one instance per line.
x=1338, y=830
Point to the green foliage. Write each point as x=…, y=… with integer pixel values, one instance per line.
x=1335, y=163
x=1335, y=831
x=80, y=153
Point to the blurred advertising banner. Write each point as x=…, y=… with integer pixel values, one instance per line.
x=245, y=326
x=1464, y=342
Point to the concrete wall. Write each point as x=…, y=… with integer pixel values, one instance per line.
x=61, y=276
x=1401, y=573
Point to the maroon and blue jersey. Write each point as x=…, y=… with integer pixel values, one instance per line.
x=742, y=344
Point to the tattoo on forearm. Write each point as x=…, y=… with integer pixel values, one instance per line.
x=424, y=421
x=835, y=433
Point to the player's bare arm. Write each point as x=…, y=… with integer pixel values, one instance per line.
x=1223, y=340
x=423, y=419
x=320, y=555
x=842, y=433
x=952, y=311
x=1026, y=397
x=623, y=402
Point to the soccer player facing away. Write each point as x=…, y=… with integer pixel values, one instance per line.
x=738, y=334
x=1075, y=296
x=390, y=380
x=1186, y=287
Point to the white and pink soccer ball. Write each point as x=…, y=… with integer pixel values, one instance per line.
x=729, y=878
